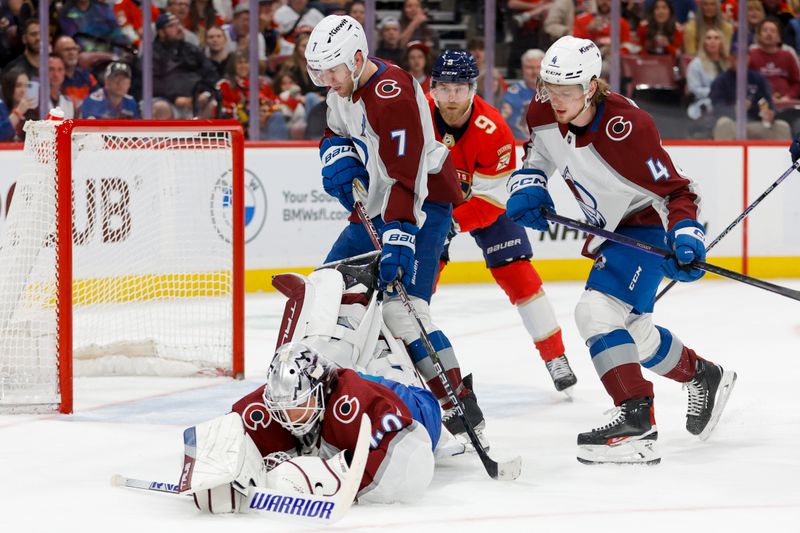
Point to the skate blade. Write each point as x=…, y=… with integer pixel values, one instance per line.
x=568, y=393
x=723, y=393
x=637, y=452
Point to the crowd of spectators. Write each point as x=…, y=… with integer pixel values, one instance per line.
x=200, y=58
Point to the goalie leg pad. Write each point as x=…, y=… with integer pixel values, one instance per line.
x=407, y=470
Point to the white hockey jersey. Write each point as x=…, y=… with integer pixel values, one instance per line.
x=616, y=167
x=389, y=122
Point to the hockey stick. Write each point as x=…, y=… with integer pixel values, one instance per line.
x=655, y=250
x=118, y=480
x=305, y=507
x=507, y=470
x=741, y=217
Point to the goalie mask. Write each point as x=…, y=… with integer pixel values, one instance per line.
x=296, y=387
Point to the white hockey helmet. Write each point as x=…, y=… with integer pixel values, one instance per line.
x=297, y=373
x=571, y=61
x=335, y=41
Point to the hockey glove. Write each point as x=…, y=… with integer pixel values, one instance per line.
x=687, y=241
x=528, y=189
x=397, y=256
x=794, y=149
x=340, y=166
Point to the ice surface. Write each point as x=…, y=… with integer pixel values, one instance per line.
x=55, y=470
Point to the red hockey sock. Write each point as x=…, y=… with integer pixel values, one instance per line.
x=685, y=369
x=436, y=387
x=626, y=382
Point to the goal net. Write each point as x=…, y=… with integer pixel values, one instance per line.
x=122, y=254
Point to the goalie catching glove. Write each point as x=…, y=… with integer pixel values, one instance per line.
x=341, y=165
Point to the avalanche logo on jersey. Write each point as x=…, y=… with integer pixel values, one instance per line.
x=255, y=416
x=618, y=128
x=586, y=201
x=255, y=206
x=345, y=409
x=387, y=89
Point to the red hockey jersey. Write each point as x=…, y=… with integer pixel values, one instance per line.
x=483, y=153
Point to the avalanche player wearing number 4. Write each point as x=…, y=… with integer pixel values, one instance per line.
x=610, y=155
x=482, y=148
x=380, y=139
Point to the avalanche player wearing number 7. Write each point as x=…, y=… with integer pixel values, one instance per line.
x=610, y=155
x=380, y=138
x=482, y=148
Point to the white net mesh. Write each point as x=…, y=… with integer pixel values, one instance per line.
x=152, y=259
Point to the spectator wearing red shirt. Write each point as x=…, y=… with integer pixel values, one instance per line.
x=130, y=19
x=597, y=26
x=778, y=66
x=660, y=33
x=234, y=90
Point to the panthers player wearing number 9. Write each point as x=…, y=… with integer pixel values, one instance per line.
x=482, y=148
x=609, y=153
x=380, y=138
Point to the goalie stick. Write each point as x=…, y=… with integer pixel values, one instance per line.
x=507, y=470
x=790, y=170
x=655, y=250
x=306, y=508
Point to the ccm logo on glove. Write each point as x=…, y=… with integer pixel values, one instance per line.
x=527, y=181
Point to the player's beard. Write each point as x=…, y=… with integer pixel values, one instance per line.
x=453, y=113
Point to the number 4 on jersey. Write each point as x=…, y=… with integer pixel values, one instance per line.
x=657, y=169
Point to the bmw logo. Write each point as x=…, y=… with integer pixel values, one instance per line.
x=255, y=206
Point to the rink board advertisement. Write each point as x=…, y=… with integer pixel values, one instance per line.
x=291, y=222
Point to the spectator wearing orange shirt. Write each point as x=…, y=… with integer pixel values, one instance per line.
x=659, y=33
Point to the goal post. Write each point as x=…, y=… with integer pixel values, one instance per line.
x=123, y=253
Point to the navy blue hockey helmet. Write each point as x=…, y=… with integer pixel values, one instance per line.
x=455, y=66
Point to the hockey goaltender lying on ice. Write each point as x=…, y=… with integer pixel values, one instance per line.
x=318, y=435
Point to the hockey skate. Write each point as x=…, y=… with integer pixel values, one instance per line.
x=708, y=393
x=452, y=422
x=562, y=374
x=629, y=438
